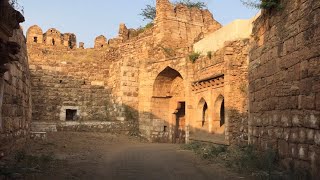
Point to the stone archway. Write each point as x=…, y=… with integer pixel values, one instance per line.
x=168, y=107
x=203, y=115
x=218, y=123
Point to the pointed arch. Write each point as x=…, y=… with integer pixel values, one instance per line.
x=162, y=86
x=203, y=109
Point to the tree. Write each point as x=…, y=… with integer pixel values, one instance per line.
x=15, y=4
x=262, y=4
x=149, y=12
x=191, y=4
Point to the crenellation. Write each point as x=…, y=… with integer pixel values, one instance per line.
x=100, y=42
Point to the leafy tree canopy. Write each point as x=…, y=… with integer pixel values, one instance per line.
x=149, y=12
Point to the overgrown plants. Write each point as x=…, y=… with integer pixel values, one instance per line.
x=263, y=4
x=194, y=56
x=149, y=12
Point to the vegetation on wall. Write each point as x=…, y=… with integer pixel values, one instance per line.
x=262, y=4
x=192, y=4
x=149, y=12
x=194, y=56
x=209, y=54
x=15, y=4
x=142, y=29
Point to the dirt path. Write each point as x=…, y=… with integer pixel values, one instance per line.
x=104, y=156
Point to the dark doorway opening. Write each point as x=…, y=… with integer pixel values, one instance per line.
x=71, y=114
x=204, y=114
x=222, y=114
x=53, y=42
x=35, y=39
x=180, y=133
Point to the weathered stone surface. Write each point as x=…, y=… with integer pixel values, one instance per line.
x=15, y=94
x=287, y=39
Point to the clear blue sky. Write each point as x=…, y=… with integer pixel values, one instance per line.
x=88, y=19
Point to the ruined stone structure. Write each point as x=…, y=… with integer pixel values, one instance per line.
x=143, y=81
x=188, y=78
x=15, y=97
x=284, y=83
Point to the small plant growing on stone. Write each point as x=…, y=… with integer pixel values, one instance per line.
x=150, y=11
x=15, y=4
x=192, y=4
x=209, y=54
x=168, y=51
x=262, y=4
x=194, y=56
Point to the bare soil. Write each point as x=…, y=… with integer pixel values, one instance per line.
x=115, y=157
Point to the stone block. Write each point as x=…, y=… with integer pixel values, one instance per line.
x=283, y=148
x=307, y=102
x=303, y=151
x=293, y=150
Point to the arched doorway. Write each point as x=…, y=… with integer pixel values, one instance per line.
x=168, y=107
x=201, y=122
x=218, y=123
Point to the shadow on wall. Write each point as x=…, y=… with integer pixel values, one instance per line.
x=64, y=102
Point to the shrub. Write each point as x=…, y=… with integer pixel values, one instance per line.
x=142, y=29
x=150, y=11
x=263, y=4
x=15, y=4
x=209, y=54
x=194, y=56
x=191, y=4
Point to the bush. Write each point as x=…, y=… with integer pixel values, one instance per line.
x=263, y=4
x=150, y=11
x=242, y=159
x=194, y=56
x=209, y=54
x=191, y=4
x=142, y=29
x=15, y=4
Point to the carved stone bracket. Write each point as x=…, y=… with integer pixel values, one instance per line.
x=211, y=82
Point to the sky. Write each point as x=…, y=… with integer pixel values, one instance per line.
x=89, y=19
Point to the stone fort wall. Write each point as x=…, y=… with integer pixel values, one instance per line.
x=144, y=81
x=15, y=89
x=284, y=84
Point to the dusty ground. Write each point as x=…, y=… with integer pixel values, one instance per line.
x=115, y=157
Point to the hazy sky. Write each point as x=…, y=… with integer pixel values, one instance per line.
x=88, y=19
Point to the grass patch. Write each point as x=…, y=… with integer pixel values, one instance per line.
x=141, y=30
x=246, y=160
x=24, y=163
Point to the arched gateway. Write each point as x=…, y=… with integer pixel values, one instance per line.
x=168, y=107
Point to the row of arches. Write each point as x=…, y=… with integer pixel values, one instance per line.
x=212, y=118
x=169, y=107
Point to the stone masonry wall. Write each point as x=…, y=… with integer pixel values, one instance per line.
x=284, y=83
x=15, y=97
x=223, y=76
x=86, y=81
x=142, y=77
x=16, y=102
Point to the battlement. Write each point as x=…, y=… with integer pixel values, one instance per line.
x=51, y=37
x=181, y=24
